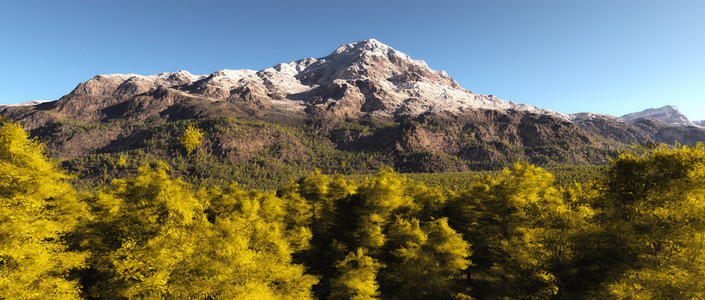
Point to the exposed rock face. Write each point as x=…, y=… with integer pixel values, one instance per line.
x=427, y=122
x=28, y=103
x=638, y=131
x=358, y=78
x=668, y=114
x=477, y=135
x=131, y=84
x=611, y=127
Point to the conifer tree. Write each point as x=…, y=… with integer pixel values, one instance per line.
x=247, y=253
x=376, y=200
x=313, y=205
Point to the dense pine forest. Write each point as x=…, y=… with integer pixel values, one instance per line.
x=633, y=229
x=263, y=154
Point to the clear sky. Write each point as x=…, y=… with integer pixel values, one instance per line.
x=604, y=56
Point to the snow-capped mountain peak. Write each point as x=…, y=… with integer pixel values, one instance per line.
x=669, y=114
x=363, y=77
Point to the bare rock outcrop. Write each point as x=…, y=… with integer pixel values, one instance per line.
x=668, y=114
x=376, y=79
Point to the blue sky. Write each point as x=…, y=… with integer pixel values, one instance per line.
x=615, y=57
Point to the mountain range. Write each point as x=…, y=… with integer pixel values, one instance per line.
x=363, y=106
x=669, y=114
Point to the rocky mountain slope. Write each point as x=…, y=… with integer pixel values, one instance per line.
x=362, y=77
x=638, y=130
x=363, y=106
x=668, y=114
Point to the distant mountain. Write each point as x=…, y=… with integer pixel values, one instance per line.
x=363, y=106
x=362, y=77
x=668, y=114
x=28, y=103
x=638, y=130
x=700, y=123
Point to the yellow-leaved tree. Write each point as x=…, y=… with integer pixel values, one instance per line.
x=517, y=223
x=38, y=208
x=191, y=139
x=248, y=252
x=654, y=212
x=157, y=238
x=379, y=239
x=358, y=277
x=145, y=233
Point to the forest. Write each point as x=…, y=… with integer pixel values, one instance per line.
x=633, y=230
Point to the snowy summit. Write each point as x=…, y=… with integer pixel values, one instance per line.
x=367, y=76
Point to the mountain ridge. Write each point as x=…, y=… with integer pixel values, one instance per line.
x=357, y=78
x=363, y=106
x=668, y=114
x=366, y=76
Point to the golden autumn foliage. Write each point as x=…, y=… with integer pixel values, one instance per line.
x=171, y=242
x=38, y=207
x=657, y=202
x=357, y=277
x=636, y=232
x=191, y=139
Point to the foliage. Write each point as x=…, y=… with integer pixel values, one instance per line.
x=425, y=261
x=157, y=238
x=264, y=154
x=657, y=202
x=191, y=139
x=38, y=209
x=357, y=279
x=510, y=220
x=631, y=230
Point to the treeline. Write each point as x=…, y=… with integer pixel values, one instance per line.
x=637, y=231
x=265, y=154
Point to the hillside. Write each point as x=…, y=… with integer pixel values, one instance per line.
x=363, y=107
x=668, y=114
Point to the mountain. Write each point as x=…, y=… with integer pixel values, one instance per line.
x=668, y=114
x=638, y=131
x=28, y=103
x=700, y=123
x=357, y=78
x=360, y=108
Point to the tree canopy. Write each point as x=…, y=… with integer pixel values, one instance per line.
x=637, y=231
